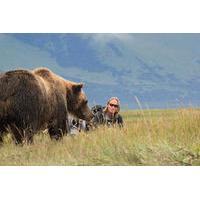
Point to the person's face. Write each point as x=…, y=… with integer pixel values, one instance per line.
x=113, y=106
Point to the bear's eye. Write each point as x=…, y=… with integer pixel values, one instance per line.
x=86, y=101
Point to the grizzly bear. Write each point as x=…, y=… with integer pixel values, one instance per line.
x=35, y=100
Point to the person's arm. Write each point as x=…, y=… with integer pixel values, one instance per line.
x=120, y=121
x=97, y=119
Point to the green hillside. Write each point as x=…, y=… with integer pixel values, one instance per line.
x=162, y=70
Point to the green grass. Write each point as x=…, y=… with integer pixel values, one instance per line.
x=149, y=137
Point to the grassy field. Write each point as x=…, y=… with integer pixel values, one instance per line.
x=149, y=137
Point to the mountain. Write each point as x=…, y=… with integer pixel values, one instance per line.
x=162, y=70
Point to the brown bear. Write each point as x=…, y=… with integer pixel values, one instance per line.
x=35, y=100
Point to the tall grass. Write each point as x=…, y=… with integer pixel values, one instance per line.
x=149, y=137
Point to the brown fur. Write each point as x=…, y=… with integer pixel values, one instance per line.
x=39, y=99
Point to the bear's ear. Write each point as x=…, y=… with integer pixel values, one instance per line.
x=77, y=87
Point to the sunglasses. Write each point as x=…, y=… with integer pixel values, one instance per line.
x=114, y=105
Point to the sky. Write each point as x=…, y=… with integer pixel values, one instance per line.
x=160, y=69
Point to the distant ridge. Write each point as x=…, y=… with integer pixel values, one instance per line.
x=162, y=70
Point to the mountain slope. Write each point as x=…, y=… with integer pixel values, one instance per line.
x=160, y=69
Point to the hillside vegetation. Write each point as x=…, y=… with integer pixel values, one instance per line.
x=149, y=137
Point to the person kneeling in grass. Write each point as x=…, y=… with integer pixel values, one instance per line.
x=109, y=115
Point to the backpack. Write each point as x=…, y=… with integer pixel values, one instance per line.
x=97, y=108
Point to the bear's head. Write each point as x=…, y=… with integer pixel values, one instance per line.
x=77, y=102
